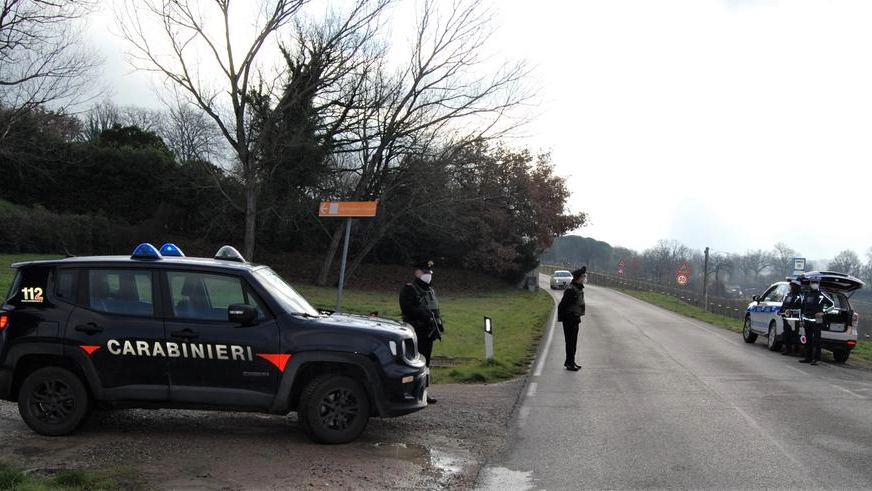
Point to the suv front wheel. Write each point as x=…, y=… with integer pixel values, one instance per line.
x=53, y=401
x=334, y=409
x=772, y=342
x=748, y=335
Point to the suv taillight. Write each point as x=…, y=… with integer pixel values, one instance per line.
x=4, y=321
x=855, y=319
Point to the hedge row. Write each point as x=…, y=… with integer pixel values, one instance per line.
x=37, y=230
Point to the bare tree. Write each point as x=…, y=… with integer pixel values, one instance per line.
x=190, y=134
x=200, y=50
x=867, y=268
x=99, y=118
x=106, y=115
x=783, y=259
x=755, y=262
x=443, y=98
x=848, y=262
x=42, y=57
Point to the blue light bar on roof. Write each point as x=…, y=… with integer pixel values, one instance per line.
x=145, y=251
x=170, y=249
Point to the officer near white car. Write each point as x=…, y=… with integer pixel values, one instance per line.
x=792, y=302
x=813, y=305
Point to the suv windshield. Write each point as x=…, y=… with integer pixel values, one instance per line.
x=284, y=293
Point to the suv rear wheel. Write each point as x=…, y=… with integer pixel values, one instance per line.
x=334, y=409
x=53, y=401
x=747, y=334
x=841, y=355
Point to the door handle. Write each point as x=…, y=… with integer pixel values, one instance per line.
x=89, y=328
x=185, y=334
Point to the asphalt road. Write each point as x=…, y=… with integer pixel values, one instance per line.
x=663, y=401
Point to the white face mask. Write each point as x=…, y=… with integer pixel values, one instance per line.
x=427, y=277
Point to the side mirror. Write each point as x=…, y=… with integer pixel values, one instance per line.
x=242, y=313
x=755, y=298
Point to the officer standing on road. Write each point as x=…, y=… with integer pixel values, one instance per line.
x=570, y=311
x=792, y=301
x=813, y=303
x=421, y=309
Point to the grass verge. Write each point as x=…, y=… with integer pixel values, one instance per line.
x=518, y=317
x=69, y=480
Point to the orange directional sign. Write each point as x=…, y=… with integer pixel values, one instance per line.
x=347, y=208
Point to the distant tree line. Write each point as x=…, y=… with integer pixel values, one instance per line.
x=482, y=207
x=727, y=274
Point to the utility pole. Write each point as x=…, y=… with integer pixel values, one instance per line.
x=705, y=281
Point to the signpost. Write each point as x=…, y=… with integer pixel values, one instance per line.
x=682, y=274
x=488, y=339
x=348, y=210
x=798, y=266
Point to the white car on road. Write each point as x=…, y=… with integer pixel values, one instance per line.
x=560, y=279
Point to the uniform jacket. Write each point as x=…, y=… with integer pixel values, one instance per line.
x=420, y=308
x=571, y=306
x=813, y=302
x=791, y=301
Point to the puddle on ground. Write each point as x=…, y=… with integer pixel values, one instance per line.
x=442, y=462
x=500, y=479
x=402, y=451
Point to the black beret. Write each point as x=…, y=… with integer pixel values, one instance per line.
x=424, y=265
x=579, y=272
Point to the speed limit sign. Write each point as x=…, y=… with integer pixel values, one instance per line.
x=681, y=279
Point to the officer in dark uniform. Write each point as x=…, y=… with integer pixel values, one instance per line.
x=570, y=311
x=421, y=309
x=813, y=304
x=792, y=302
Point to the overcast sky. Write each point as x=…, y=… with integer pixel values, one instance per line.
x=729, y=124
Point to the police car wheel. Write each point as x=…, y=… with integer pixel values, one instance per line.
x=334, y=409
x=53, y=401
x=748, y=335
x=772, y=341
x=841, y=355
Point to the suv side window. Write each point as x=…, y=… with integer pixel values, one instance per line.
x=65, y=285
x=195, y=295
x=127, y=292
x=775, y=294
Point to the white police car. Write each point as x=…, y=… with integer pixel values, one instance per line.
x=560, y=279
x=839, y=333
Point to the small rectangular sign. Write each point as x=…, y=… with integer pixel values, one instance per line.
x=799, y=264
x=347, y=208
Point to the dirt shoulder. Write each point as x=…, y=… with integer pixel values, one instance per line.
x=443, y=446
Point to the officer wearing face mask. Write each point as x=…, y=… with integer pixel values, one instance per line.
x=813, y=305
x=421, y=309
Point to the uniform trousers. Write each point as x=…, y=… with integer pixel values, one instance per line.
x=812, y=341
x=425, y=346
x=570, y=333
